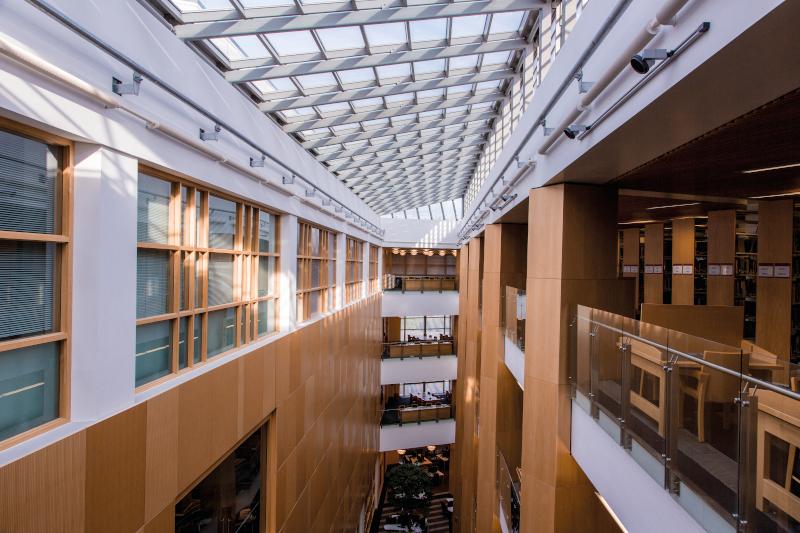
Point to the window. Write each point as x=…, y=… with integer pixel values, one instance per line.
x=373, y=269
x=355, y=269
x=206, y=266
x=34, y=254
x=316, y=270
x=422, y=327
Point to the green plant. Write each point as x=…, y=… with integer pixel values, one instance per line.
x=410, y=485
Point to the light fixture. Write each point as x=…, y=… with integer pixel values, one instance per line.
x=401, y=452
x=642, y=61
x=572, y=131
x=671, y=206
x=768, y=169
x=431, y=448
x=442, y=252
x=455, y=252
x=127, y=88
x=257, y=162
x=210, y=135
x=413, y=252
x=395, y=251
x=781, y=195
x=402, y=252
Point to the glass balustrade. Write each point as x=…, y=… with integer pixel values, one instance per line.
x=437, y=348
x=706, y=420
x=416, y=414
x=508, y=492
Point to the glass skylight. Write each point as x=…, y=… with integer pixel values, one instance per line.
x=346, y=73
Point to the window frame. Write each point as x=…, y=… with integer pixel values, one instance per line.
x=374, y=285
x=62, y=276
x=189, y=252
x=305, y=260
x=354, y=257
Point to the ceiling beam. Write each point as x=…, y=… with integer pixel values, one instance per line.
x=446, y=146
x=410, y=179
x=269, y=70
x=402, y=176
x=481, y=115
x=464, y=153
x=229, y=28
x=404, y=143
x=470, y=157
x=352, y=118
x=385, y=90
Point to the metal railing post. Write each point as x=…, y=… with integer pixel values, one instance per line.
x=625, y=395
x=594, y=371
x=673, y=414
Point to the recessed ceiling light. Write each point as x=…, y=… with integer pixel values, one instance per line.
x=767, y=169
x=671, y=205
x=781, y=195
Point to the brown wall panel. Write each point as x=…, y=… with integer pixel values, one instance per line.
x=654, y=256
x=683, y=254
x=124, y=473
x=115, y=472
x=721, y=250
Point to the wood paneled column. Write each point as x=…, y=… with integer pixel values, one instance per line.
x=572, y=238
x=721, y=256
x=467, y=388
x=654, y=263
x=683, y=236
x=504, y=264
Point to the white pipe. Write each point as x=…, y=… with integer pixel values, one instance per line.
x=15, y=52
x=663, y=17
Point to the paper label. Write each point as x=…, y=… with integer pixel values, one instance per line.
x=783, y=271
x=726, y=270
x=687, y=269
x=714, y=270
x=677, y=269
x=766, y=271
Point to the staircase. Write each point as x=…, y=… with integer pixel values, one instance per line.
x=437, y=518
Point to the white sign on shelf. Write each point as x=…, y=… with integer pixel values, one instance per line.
x=677, y=269
x=727, y=270
x=766, y=271
x=714, y=270
x=687, y=269
x=783, y=271
x=658, y=269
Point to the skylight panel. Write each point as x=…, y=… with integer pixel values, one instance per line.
x=406, y=136
x=299, y=112
x=392, y=33
x=469, y=26
x=312, y=81
x=339, y=108
x=459, y=205
x=403, y=119
x=430, y=94
x=400, y=70
x=355, y=144
x=449, y=210
x=463, y=62
x=428, y=30
x=487, y=86
x=344, y=129
x=366, y=103
x=427, y=67
x=458, y=90
x=436, y=211
x=265, y=3
x=293, y=43
x=358, y=75
x=241, y=47
x=496, y=58
x=427, y=115
x=316, y=133
x=376, y=123
x=346, y=38
x=396, y=100
x=506, y=22
x=275, y=85
x=456, y=110
x=411, y=213
x=189, y=6
x=383, y=139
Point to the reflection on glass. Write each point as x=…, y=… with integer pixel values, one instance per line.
x=221, y=223
x=266, y=232
x=29, y=388
x=220, y=279
x=182, y=344
x=152, y=220
x=229, y=498
x=153, y=351
x=152, y=282
x=266, y=273
x=27, y=277
x=221, y=331
x=197, y=355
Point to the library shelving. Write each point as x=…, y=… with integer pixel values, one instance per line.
x=746, y=269
x=700, y=262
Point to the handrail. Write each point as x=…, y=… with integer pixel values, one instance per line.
x=699, y=360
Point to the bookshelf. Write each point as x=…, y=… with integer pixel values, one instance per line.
x=794, y=345
x=700, y=262
x=746, y=269
x=667, y=263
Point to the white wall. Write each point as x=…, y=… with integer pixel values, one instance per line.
x=418, y=369
x=396, y=303
x=412, y=233
x=410, y=436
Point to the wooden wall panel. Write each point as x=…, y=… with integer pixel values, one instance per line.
x=161, y=456
x=721, y=251
x=654, y=257
x=393, y=329
x=774, y=295
x=718, y=323
x=683, y=233
x=163, y=522
x=115, y=472
x=45, y=491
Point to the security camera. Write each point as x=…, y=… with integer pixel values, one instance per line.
x=642, y=62
x=572, y=131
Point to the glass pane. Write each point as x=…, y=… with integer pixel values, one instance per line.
x=183, y=349
x=242, y=326
x=221, y=223
x=28, y=388
x=29, y=171
x=153, y=351
x=228, y=499
x=266, y=233
x=220, y=279
x=184, y=262
x=152, y=212
x=198, y=286
x=221, y=331
x=26, y=288
x=198, y=203
x=152, y=282
x=266, y=274
x=316, y=265
x=198, y=329
x=184, y=214
x=313, y=299
x=315, y=242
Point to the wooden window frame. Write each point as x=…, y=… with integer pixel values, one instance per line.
x=374, y=286
x=355, y=265
x=62, y=293
x=191, y=256
x=305, y=258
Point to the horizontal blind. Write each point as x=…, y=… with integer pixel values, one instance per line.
x=221, y=223
x=152, y=210
x=152, y=282
x=28, y=175
x=27, y=272
x=220, y=279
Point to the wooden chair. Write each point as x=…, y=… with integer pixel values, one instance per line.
x=650, y=361
x=711, y=386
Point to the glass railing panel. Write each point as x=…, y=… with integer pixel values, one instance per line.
x=514, y=313
x=419, y=283
x=606, y=369
x=581, y=358
x=416, y=414
x=401, y=350
x=508, y=493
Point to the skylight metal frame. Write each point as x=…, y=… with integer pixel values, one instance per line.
x=423, y=130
